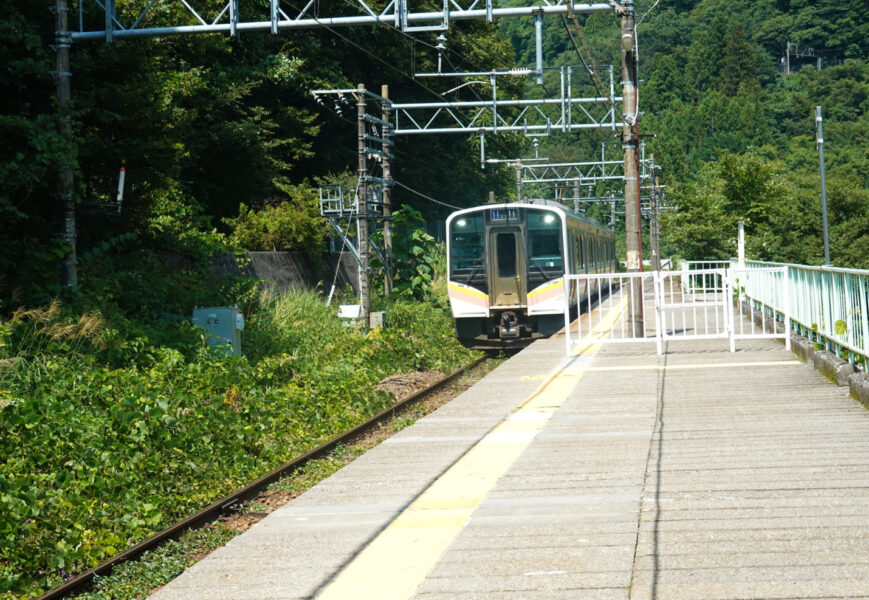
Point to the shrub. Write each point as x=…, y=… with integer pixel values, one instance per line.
x=291, y=223
x=109, y=437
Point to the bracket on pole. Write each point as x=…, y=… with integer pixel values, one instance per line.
x=401, y=20
x=273, y=13
x=233, y=17
x=110, y=16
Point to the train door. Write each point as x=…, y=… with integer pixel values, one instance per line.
x=507, y=266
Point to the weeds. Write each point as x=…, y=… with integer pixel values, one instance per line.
x=108, y=438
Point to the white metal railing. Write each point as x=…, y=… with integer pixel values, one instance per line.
x=612, y=295
x=829, y=304
x=699, y=275
x=700, y=265
x=705, y=308
x=763, y=301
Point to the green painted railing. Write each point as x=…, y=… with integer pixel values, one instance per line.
x=828, y=304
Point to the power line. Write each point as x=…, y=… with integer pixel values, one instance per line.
x=375, y=57
x=497, y=58
x=647, y=14
x=409, y=189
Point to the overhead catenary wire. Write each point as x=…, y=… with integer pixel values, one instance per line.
x=465, y=59
x=436, y=201
x=497, y=58
x=375, y=57
x=592, y=71
x=646, y=14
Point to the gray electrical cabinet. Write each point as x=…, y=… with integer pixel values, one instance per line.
x=223, y=325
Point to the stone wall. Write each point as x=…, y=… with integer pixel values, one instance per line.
x=284, y=270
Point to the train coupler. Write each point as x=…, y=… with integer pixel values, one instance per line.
x=509, y=326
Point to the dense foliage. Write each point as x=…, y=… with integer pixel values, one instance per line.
x=734, y=134
x=204, y=125
x=108, y=438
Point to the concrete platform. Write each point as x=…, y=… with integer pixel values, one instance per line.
x=615, y=474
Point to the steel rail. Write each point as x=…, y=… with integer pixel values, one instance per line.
x=225, y=504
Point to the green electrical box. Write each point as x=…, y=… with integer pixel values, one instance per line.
x=223, y=325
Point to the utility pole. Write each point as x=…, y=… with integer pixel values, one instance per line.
x=788, y=59
x=64, y=198
x=576, y=195
x=386, y=165
x=653, y=223
x=630, y=138
x=518, y=182
x=362, y=205
x=820, y=123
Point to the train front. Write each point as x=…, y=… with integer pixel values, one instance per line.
x=505, y=264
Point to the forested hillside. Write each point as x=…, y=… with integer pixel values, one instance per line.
x=734, y=135
x=206, y=124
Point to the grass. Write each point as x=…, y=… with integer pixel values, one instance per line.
x=134, y=580
x=139, y=578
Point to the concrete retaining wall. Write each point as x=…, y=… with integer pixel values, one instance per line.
x=834, y=368
x=859, y=384
x=285, y=270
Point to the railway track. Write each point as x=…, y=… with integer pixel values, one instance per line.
x=235, y=500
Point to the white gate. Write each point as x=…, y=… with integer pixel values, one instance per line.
x=693, y=304
x=690, y=304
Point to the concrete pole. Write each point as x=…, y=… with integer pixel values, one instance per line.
x=788, y=60
x=630, y=137
x=64, y=198
x=576, y=194
x=362, y=207
x=385, y=114
x=518, y=182
x=820, y=122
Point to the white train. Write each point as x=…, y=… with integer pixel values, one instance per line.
x=505, y=266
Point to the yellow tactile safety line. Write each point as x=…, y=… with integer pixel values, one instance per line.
x=604, y=325
x=393, y=565
x=768, y=363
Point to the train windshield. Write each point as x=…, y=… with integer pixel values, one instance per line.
x=544, y=241
x=466, y=245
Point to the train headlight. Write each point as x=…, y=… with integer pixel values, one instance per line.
x=461, y=223
x=549, y=219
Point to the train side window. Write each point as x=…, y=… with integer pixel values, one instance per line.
x=581, y=262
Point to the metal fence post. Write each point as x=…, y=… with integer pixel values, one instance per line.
x=787, y=299
x=729, y=312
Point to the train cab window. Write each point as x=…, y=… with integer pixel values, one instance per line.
x=544, y=240
x=506, y=254
x=466, y=243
